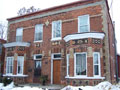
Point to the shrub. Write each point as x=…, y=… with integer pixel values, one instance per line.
x=6, y=81
x=43, y=79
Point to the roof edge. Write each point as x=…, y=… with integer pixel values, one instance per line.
x=47, y=9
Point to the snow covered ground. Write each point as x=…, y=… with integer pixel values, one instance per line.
x=101, y=86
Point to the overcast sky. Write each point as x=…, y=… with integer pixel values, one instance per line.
x=9, y=8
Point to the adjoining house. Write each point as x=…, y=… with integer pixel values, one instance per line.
x=118, y=58
x=2, y=56
x=71, y=44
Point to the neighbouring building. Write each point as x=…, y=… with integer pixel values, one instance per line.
x=2, y=56
x=71, y=44
x=118, y=58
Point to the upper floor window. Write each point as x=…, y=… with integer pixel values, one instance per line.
x=56, y=30
x=83, y=24
x=20, y=64
x=80, y=64
x=19, y=34
x=38, y=32
x=96, y=63
x=9, y=65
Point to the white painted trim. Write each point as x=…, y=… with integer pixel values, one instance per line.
x=38, y=41
x=12, y=44
x=67, y=59
x=75, y=65
x=57, y=38
x=84, y=35
x=51, y=69
x=15, y=75
x=85, y=77
x=99, y=63
x=88, y=23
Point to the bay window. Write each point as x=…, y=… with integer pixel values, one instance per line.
x=80, y=64
x=9, y=65
x=96, y=63
x=68, y=65
x=20, y=64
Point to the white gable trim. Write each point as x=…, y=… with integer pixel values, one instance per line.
x=16, y=44
x=84, y=35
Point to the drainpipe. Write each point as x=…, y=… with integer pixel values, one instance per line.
x=115, y=52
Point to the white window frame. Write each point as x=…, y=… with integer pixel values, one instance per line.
x=99, y=63
x=75, y=65
x=37, y=55
x=8, y=65
x=41, y=25
x=22, y=66
x=19, y=35
x=56, y=54
x=56, y=38
x=68, y=64
x=88, y=23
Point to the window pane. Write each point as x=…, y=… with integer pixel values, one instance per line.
x=57, y=55
x=84, y=20
x=38, y=57
x=95, y=58
x=84, y=28
x=96, y=70
x=38, y=32
x=56, y=29
x=9, y=65
x=83, y=23
x=80, y=64
x=19, y=32
x=20, y=62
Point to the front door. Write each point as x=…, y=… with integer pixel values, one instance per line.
x=56, y=71
x=37, y=71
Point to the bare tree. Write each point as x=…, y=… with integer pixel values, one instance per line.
x=24, y=11
x=3, y=30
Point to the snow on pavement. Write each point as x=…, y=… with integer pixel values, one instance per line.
x=101, y=86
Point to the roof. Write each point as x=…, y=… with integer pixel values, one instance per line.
x=50, y=9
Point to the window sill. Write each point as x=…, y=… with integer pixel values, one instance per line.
x=56, y=39
x=83, y=77
x=38, y=41
x=11, y=75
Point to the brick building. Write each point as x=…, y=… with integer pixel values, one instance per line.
x=71, y=43
x=118, y=58
x=2, y=55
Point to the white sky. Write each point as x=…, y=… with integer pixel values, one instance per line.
x=9, y=8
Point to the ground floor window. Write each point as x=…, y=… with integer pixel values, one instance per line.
x=68, y=65
x=80, y=64
x=96, y=63
x=20, y=64
x=9, y=65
